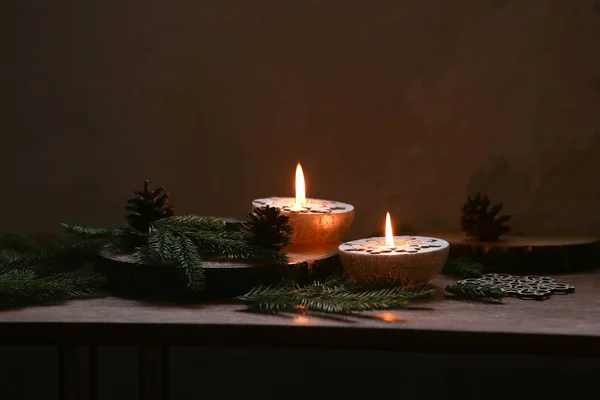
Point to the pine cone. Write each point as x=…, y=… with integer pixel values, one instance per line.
x=268, y=227
x=148, y=206
x=479, y=222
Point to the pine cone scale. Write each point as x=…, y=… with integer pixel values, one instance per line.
x=268, y=227
x=148, y=206
x=480, y=221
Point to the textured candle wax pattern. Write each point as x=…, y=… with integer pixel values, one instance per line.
x=315, y=222
x=410, y=245
x=313, y=206
x=412, y=260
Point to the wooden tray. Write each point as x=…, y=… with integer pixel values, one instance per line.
x=224, y=278
x=527, y=254
x=297, y=254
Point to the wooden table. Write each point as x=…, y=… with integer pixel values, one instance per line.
x=562, y=325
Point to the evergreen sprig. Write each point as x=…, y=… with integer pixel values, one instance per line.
x=19, y=242
x=31, y=274
x=20, y=287
x=333, y=295
x=464, y=267
x=212, y=239
x=186, y=241
x=65, y=254
x=90, y=232
x=468, y=291
x=118, y=239
x=10, y=258
x=190, y=223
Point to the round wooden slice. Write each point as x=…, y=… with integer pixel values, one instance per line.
x=224, y=279
x=508, y=241
x=297, y=255
x=527, y=254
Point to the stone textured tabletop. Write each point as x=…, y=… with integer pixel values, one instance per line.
x=563, y=324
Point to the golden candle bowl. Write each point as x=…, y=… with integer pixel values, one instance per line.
x=412, y=260
x=315, y=222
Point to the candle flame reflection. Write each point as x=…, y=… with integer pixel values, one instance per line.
x=300, y=320
x=300, y=188
x=389, y=317
x=389, y=235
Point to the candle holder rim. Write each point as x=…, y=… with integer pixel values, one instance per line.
x=347, y=206
x=399, y=237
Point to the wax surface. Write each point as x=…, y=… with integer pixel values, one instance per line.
x=312, y=206
x=402, y=245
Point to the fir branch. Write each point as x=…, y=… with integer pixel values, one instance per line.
x=162, y=243
x=184, y=241
x=165, y=246
x=66, y=253
x=463, y=267
x=90, y=232
x=213, y=238
x=189, y=260
x=118, y=239
x=24, y=287
x=345, y=302
x=19, y=242
x=472, y=292
x=17, y=274
x=221, y=243
x=19, y=251
x=13, y=259
x=189, y=223
x=330, y=296
x=269, y=300
x=234, y=245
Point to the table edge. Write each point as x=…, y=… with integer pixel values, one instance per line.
x=313, y=337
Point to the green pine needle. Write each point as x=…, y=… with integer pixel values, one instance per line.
x=13, y=259
x=213, y=239
x=330, y=296
x=66, y=253
x=90, y=232
x=189, y=223
x=189, y=260
x=19, y=242
x=185, y=241
x=469, y=291
x=464, y=267
x=25, y=287
x=118, y=240
x=19, y=251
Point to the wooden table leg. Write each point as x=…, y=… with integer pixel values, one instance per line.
x=153, y=373
x=78, y=373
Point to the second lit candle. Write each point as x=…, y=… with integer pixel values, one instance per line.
x=315, y=221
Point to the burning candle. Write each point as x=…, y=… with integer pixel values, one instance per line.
x=408, y=260
x=315, y=221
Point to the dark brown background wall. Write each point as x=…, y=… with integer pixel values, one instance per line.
x=390, y=105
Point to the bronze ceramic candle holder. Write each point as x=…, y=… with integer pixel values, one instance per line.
x=316, y=221
x=412, y=260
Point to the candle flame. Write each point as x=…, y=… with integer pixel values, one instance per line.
x=389, y=235
x=300, y=188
